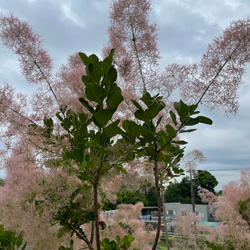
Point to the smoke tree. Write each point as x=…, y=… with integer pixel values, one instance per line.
x=214, y=81
x=125, y=221
x=189, y=234
x=66, y=146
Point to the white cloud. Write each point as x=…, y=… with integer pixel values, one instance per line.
x=69, y=14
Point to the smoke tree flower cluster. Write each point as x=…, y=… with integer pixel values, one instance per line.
x=125, y=221
x=71, y=143
x=189, y=234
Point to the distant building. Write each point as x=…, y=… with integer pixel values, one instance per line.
x=202, y=210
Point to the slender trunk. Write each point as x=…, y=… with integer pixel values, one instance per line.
x=96, y=214
x=165, y=220
x=157, y=185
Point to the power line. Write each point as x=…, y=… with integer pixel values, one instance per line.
x=232, y=169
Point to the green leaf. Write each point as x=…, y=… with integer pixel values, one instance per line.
x=137, y=104
x=164, y=158
x=192, y=108
x=159, y=121
x=180, y=142
x=142, y=115
x=95, y=71
x=90, y=216
x=111, y=76
x=107, y=62
x=66, y=123
x=48, y=122
x=103, y=117
x=182, y=110
x=112, y=129
x=59, y=117
x=147, y=99
x=86, y=105
x=93, y=92
x=188, y=130
x=170, y=130
x=192, y=121
x=86, y=80
x=118, y=239
x=132, y=128
x=205, y=120
x=114, y=98
x=126, y=241
x=173, y=116
x=75, y=121
x=84, y=58
x=93, y=58
x=155, y=108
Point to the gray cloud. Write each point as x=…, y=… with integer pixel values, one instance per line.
x=185, y=29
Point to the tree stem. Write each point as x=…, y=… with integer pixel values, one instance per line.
x=158, y=199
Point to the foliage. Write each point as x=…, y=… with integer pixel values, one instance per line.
x=145, y=193
x=180, y=192
x=206, y=180
x=131, y=197
x=122, y=244
x=10, y=240
x=244, y=207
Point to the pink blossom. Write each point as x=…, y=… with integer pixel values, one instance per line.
x=19, y=37
x=215, y=81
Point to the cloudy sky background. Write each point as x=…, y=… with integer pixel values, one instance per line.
x=185, y=29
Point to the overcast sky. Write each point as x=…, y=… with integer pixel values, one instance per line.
x=185, y=28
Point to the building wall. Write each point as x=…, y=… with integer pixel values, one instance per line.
x=173, y=208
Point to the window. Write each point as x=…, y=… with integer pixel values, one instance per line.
x=201, y=214
x=170, y=212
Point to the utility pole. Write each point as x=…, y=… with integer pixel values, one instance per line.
x=192, y=189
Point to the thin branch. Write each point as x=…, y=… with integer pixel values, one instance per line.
x=13, y=110
x=84, y=238
x=219, y=71
x=138, y=58
x=41, y=71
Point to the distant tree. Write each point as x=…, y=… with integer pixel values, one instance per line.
x=206, y=180
x=181, y=192
x=146, y=195
x=151, y=197
x=131, y=197
x=219, y=193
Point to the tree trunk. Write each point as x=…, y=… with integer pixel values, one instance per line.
x=96, y=215
x=157, y=185
x=165, y=220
